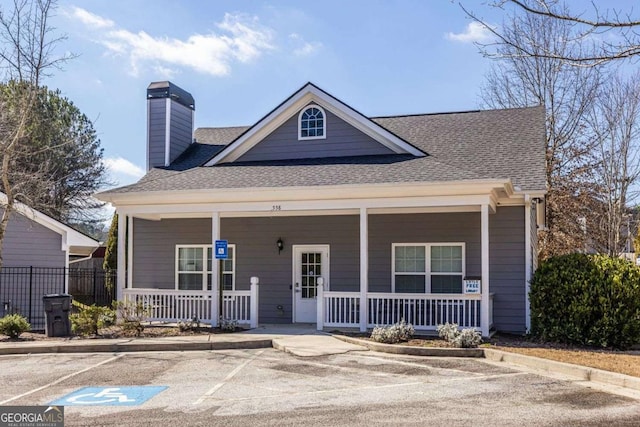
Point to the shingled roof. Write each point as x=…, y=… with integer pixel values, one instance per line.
x=474, y=145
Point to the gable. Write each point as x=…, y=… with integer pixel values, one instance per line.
x=28, y=243
x=291, y=107
x=341, y=140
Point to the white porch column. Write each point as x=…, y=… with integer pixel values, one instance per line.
x=364, y=267
x=215, y=269
x=253, y=323
x=527, y=261
x=130, y=252
x=320, y=305
x=484, y=249
x=122, y=265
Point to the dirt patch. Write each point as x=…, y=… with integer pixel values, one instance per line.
x=622, y=362
x=150, y=331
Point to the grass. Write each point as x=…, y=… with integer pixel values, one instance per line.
x=622, y=362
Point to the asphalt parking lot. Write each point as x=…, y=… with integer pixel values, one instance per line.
x=268, y=387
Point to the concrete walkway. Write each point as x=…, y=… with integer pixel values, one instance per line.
x=300, y=340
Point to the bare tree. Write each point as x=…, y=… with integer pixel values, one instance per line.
x=615, y=126
x=568, y=94
x=599, y=35
x=26, y=56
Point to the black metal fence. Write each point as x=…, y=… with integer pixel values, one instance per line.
x=22, y=289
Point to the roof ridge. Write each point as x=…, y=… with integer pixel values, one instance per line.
x=443, y=113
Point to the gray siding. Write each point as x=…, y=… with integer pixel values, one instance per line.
x=28, y=243
x=181, y=123
x=507, y=268
x=154, y=254
x=181, y=129
x=157, y=120
x=341, y=140
x=384, y=230
x=257, y=254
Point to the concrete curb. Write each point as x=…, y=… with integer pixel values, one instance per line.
x=580, y=372
x=136, y=346
x=414, y=351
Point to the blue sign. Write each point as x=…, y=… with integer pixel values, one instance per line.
x=222, y=249
x=109, y=396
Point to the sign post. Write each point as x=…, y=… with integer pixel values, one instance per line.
x=221, y=248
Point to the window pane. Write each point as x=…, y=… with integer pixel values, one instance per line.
x=190, y=282
x=227, y=282
x=410, y=259
x=189, y=259
x=409, y=284
x=446, y=284
x=446, y=259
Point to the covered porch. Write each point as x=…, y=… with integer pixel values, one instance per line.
x=358, y=284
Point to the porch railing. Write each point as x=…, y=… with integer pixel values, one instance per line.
x=168, y=305
x=423, y=311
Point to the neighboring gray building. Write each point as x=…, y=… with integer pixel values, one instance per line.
x=347, y=221
x=35, y=257
x=34, y=239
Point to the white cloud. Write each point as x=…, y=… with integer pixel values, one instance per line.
x=242, y=39
x=123, y=166
x=304, y=48
x=475, y=32
x=90, y=19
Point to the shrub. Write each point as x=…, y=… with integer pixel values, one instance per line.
x=448, y=331
x=466, y=338
x=131, y=315
x=89, y=320
x=228, y=325
x=586, y=299
x=189, y=325
x=393, y=334
x=13, y=325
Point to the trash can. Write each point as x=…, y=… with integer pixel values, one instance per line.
x=56, y=313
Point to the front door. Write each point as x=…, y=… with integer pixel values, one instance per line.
x=310, y=262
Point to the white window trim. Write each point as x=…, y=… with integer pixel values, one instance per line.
x=427, y=273
x=205, y=271
x=324, y=123
x=233, y=267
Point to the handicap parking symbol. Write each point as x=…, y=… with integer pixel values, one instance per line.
x=109, y=396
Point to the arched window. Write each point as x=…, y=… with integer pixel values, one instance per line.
x=312, y=123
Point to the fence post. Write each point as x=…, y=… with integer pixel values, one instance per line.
x=95, y=287
x=253, y=323
x=320, y=303
x=30, y=292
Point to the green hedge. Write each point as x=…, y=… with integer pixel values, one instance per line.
x=586, y=299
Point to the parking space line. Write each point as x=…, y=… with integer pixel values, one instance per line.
x=227, y=378
x=59, y=380
x=402, y=362
x=333, y=390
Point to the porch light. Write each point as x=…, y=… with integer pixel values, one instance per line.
x=280, y=244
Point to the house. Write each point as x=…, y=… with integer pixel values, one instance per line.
x=35, y=260
x=343, y=219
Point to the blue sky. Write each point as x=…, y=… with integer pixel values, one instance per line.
x=239, y=59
